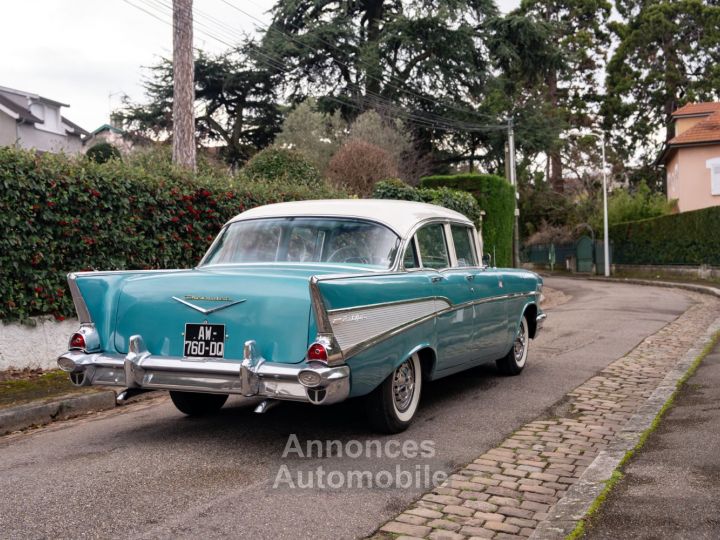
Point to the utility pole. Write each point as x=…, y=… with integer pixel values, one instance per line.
x=513, y=183
x=183, y=86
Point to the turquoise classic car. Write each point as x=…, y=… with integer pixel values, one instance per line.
x=313, y=301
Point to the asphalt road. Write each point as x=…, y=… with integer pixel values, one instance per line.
x=147, y=471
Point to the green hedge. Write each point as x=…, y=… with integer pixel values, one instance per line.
x=687, y=238
x=281, y=165
x=495, y=197
x=449, y=198
x=59, y=215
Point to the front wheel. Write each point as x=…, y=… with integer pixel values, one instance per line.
x=392, y=405
x=196, y=404
x=514, y=361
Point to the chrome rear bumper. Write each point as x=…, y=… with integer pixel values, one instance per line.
x=308, y=382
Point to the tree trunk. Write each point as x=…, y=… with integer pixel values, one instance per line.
x=183, y=86
x=373, y=72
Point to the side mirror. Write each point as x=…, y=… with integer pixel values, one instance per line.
x=487, y=259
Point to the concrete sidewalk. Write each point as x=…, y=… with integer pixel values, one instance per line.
x=671, y=487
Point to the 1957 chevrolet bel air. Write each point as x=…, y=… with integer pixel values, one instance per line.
x=314, y=301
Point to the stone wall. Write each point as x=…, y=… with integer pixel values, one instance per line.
x=24, y=346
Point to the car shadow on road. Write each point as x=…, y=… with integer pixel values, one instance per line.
x=344, y=421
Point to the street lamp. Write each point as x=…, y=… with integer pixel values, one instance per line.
x=606, y=235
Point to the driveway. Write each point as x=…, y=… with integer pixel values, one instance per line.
x=147, y=471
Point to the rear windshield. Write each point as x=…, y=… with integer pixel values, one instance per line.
x=305, y=240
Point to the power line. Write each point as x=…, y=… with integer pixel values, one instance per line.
x=264, y=25
x=428, y=121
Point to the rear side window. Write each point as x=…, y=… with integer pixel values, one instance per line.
x=433, y=250
x=464, y=248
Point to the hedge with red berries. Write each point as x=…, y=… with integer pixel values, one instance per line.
x=59, y=214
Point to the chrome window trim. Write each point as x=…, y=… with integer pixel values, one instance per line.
x=450, y=244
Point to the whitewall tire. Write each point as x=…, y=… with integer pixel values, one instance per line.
x=392, y=405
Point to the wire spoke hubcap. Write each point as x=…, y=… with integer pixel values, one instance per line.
x=404, y=385
x=519, y=345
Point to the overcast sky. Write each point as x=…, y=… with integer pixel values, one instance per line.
x=87, y=53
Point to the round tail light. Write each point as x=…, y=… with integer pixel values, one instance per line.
x=77, y=341
x=317, y=353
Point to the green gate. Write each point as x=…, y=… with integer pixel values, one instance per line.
x=584, y=254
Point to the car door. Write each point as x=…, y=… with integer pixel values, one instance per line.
x=455, y=325
x=491, y=317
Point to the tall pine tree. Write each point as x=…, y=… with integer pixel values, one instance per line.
x=668, y=55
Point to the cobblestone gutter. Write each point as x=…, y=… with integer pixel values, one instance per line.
x=535, y=482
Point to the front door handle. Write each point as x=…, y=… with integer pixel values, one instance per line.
x=436, y=279
x=470, y=277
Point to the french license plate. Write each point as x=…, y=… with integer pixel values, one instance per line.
x=204, y=340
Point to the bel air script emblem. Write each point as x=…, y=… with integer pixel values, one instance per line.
x=355, y=317
x=207, y=311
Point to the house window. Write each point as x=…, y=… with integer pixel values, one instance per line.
x=714, y=166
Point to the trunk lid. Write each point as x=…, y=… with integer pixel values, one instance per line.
x=274, y=309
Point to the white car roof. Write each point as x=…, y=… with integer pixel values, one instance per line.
x=400, y=216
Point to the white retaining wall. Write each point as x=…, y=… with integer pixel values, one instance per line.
x=23, y=346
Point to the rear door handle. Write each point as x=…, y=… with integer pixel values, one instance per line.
x=470, y=277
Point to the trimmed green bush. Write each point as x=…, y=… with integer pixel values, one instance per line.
x=280, y=165
x=449, y=198
x=494, y=196
x=102, y=152
x=59, y=215
x=394, y=188
x=687, y=238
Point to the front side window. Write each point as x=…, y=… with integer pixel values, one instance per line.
x=464, y=245
x=433, y=250
x=305, y=240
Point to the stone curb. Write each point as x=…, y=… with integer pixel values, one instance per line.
x=694, y=287
x=32, y=414
x=568, y=511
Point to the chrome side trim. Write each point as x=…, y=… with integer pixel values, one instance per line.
x=114, y=272
x=80, y=306
x=393, y=303
x=374, y=340
x=356, y=326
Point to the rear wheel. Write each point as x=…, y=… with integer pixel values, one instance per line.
x=392, y=405
x=196, y=404
x=514, y=361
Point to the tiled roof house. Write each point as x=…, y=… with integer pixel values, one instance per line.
x=692, y=157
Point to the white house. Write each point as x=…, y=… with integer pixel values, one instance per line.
x=34, y=122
